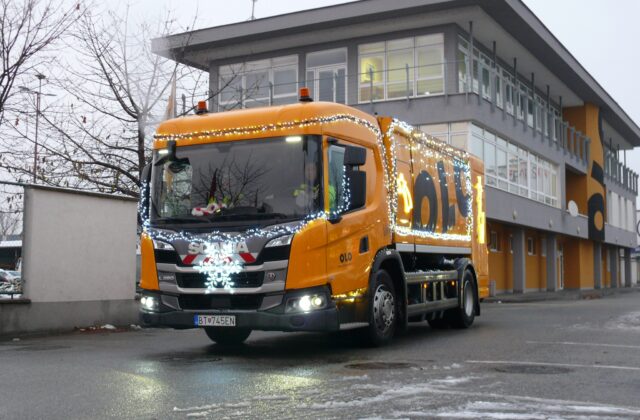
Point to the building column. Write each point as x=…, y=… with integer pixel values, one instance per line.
x=213, y=88
x=352, y=72
x=552, y=262
x=597, y=265
x=627, y=267
x=613, y=259
x=519, y=261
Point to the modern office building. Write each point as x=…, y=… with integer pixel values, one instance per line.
x=484, y=75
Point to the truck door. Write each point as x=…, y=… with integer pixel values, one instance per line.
x=351, y=236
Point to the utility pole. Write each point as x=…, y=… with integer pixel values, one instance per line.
x=40, y=77
x=253, y=9
x=38, y=94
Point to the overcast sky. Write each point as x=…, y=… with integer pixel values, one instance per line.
x=601, y=34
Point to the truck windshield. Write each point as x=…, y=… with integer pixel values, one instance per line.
x=249, y=180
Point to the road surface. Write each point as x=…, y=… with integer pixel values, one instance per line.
x=554, y=359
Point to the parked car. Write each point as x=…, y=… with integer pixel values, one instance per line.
x=15, y=274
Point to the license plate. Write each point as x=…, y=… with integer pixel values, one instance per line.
x=215, y=320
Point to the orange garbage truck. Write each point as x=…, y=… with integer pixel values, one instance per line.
x=312, y=216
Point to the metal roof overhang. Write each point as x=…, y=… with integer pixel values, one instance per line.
x=512, y=15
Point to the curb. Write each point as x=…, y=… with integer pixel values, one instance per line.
x=560, y=295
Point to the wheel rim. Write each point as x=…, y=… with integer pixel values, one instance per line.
x=468, y=299
x=383, y=308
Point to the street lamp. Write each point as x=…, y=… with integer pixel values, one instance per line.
x=38, y=95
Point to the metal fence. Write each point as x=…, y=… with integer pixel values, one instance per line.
x=11, y=216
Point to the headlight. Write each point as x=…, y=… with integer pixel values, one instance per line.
x=280, y=241
x=149, y=303
x=162, y=245
x=306, y=303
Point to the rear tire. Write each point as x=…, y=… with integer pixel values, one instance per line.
x=463, y=316
x=383, y=310
x=227, y=336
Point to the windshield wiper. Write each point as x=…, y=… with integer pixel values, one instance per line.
x=249, y=216
x=184, y=219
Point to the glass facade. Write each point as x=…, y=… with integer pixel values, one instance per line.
x=507, y=166
x=258, y=83
x=401, y=68
x=621, y=212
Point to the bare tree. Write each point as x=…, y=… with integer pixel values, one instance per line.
x=9, y=222
x=27, y=30
x=117, y=92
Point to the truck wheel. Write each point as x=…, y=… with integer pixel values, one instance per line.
x=463, y=317
x=383, y=310
x=227, y=336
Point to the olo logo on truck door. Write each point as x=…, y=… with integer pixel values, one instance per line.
x=345, y=257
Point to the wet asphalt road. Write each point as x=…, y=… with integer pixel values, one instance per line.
x=560, y=359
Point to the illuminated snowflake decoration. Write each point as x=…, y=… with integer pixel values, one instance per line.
x=219, y=264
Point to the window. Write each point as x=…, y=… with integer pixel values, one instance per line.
x=327, y=75
x=456, y=134
x=531, y=246
x=514, y=169
x=336, y=176
x=259, y=83
x=401, y=68
x=511, y=244
x=494, y=244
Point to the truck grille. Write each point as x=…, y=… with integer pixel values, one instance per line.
x=204, y=302
x=240, y=280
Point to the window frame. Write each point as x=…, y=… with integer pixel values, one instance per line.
x=243, y=69
x=494, y=245
x=531, y=246
x=414, y=74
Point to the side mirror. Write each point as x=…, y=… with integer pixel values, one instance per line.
x=145, y=190
x=355, y=156
x=357, y=181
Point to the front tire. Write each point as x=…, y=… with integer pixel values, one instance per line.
x=383, y=310
x=227, y=336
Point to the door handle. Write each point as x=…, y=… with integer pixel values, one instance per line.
x=364, y=244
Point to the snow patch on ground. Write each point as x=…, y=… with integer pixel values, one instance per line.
x=391, y=394
x=627, y=322
x=521, y=409
x=353, y=378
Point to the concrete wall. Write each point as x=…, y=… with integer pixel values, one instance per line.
x=78, y=247
x=79, y=253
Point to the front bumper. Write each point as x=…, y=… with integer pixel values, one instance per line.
x=273, y=319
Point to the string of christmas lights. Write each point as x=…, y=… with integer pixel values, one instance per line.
x=220, y=266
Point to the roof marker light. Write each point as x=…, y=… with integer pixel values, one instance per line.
x=201, y=108
x=305, y=96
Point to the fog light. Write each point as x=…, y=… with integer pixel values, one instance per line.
x=149, y=303
x=317, y=302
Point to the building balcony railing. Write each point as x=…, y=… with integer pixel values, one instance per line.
x=441, y=79
x=618, y=172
